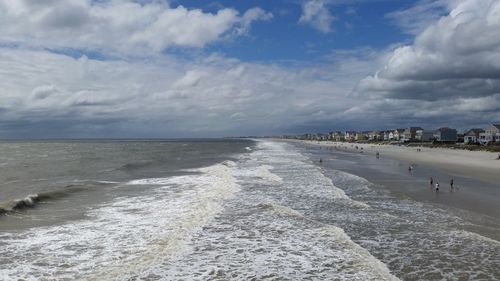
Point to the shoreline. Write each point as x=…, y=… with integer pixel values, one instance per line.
x=480, y=165
x=473, y=192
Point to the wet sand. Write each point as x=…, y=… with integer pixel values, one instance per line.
x=479, y=165
x=472, y=192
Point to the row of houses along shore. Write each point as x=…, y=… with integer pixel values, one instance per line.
x=487, y=136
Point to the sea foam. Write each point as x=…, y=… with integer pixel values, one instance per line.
x=123, y=237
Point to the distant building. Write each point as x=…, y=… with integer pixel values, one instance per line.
x=396, y=134
x=321, y=137
x=472, y=135
x=424, y=135
x=410, y=133
x=334, y=135
x=338, y=136
x=445, y=134
x=360, y=136
x=490, y=135
x=350, y=136
x=374, y=135
x=387, y=135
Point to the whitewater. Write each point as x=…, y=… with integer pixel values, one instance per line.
x=267, y=212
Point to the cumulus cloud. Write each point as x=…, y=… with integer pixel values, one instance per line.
x=316, y=14
x=455, y=57
x=167, y=97
x=449, y=75
x=117, y=25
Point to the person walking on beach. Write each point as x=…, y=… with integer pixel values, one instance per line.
x=451, y=184
x=437, y=186
x=410, y=168
x=431, y=181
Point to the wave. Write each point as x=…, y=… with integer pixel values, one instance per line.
x=136, y=165
x=18, y=204
x=280, y=209
x=31, y=200
x=264, y=172
x=198, y=203
x=358, y=257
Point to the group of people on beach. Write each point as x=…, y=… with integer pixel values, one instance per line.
x=431, y=180
x=436, y=185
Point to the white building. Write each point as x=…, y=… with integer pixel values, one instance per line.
x=491, y=134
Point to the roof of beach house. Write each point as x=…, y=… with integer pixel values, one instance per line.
x=442, y=129
x=475, y=131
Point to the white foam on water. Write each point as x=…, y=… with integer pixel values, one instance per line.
x=432, y=240
x=479, y=237
x=365, y=262
x=261, y=173
x=237, y=221
x=296, y=169
x=256, y=237
x=123, y=237
x=162, y=181
x=362, y=184
x=108, y=182
x=271, y=241
x=279, y=209
x=265, y=173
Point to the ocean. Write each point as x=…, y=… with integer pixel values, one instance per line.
x=224, y=210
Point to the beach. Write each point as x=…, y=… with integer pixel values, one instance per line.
x=475, y=174
x=480, y=165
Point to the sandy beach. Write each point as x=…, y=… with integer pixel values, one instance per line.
x=480, y=165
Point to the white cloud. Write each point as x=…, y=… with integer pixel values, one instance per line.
x=117, y=25
x=418, y=17
x=250, y=16
x=457, y=56
x=316, y=14
x=167, y=97
x=451, y=73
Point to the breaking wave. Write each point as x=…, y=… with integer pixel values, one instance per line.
x=31, y=200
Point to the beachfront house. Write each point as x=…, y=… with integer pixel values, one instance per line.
x=424, y=135
x=336, y=136
x=331, y=135
x=387, y=135
x=472, y=135
x=397, y=134
x=409, y=134
x=391, y=135
x=446, y=134
x=321, y=137
x=490, y=135
x=350, y=135
x=374, y=135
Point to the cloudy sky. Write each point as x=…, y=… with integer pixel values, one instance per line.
x=160, y=68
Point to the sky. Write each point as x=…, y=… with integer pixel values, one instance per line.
x=168, y=69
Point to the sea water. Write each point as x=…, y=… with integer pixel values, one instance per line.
x=218, y=210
